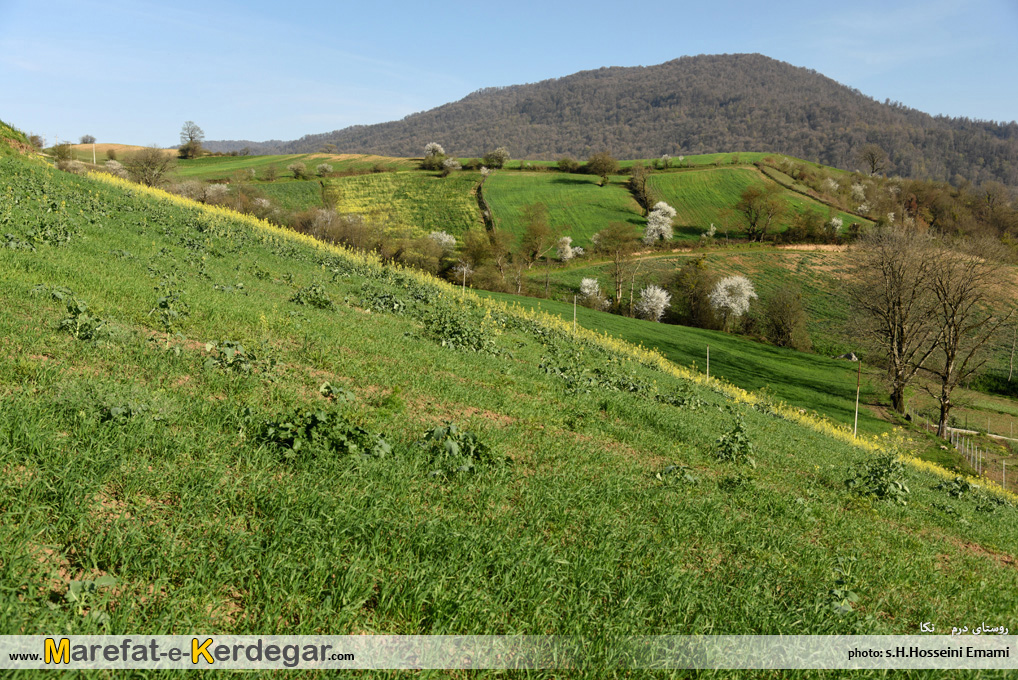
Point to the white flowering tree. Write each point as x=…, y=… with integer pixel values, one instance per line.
x=730, y=298
x=591, y=295
x=653, y=302
x=446, y=241
x=659, y=224
x=434, y=155
x=323, y=169
x=564, y=252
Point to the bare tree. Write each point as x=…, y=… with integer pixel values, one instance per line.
x=873, y=157
x=618, y=242
x=149, y=166
x=87, y=139
x=896, y=305
x=191, y=137
x=964, y=284
x=759, y=206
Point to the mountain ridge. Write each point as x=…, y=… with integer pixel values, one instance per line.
x=690, y=105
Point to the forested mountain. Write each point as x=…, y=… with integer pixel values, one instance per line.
x=702, y=104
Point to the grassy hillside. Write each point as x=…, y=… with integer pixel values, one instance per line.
x=282, y=479
x=810, y=381
x=700, y=197
x=576, y=204
x=818, y=274
x=220, y=167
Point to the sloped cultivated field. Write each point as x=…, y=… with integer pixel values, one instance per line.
x=153, y=483
x=422, y=201
x=700, y=196
x=576, y=204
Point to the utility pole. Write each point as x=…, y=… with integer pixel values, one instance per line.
x=858, y=386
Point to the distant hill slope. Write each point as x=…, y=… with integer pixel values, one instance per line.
x=743, y=102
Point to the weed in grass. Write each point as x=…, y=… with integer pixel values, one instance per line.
x=455, y=328
x=83, y=325
x=229, y=355
x=453, y=450
x=681, y=398
x=337, y=395
x=956, y=487
x=382, y=301
x=313, y=295
x=315, y=432
x=89, y=598
x=676, y=475
x=170, y=308
x=12, y=242
x=882, y=478
x=841, y=598
x=735, y=445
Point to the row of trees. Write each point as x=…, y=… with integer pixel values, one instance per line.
x=930, y=305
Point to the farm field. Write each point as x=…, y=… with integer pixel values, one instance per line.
x=576, y=204
x=421, y=201
x=818, y=274
x=223, y=167
x=152, y=411
x=700, y=197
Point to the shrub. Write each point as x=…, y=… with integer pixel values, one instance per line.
x=497, y=158
x=62, y=152
x=564, y=252
x=567, y=164
x=269, y=173
x=323, y=169
x=730, y=298
x=115, y=168
x=786, y=320
x=74, y=167
x=149, y=166
x=299, y=170
x=446, y=241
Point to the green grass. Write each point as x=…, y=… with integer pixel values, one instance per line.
x=223, y=167
x=699, y=198
x=420, y=200
x=576, y=204
x=819, y=275
x=803, y=380
x=140, y=456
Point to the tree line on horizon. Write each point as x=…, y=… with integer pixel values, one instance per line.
x=692, y=105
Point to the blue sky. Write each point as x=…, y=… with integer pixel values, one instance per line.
x=133, y=72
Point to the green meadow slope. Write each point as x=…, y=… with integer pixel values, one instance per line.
x=210, y=424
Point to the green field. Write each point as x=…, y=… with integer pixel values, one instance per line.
x=420, y=200
x=224, y=167
x=152, y=483
x=804, y=380
x=576, y=204
x=819, y=275
x=699, y=197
